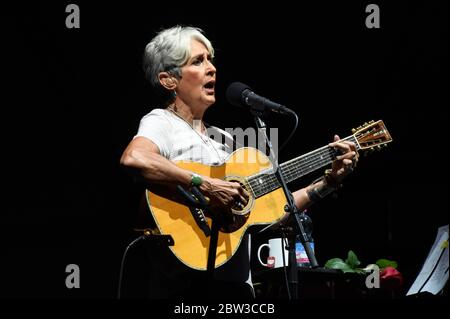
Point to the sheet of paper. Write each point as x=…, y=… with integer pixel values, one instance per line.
x=434, y=274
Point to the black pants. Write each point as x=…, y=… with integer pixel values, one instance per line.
x=152, y=271
x=216, y=290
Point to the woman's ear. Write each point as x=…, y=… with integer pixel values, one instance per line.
x=168, y=81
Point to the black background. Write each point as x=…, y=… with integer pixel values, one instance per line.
x=72, y=100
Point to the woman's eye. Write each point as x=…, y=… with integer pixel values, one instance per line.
x=197, y=61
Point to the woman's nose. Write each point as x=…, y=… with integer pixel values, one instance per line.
x=211, y=69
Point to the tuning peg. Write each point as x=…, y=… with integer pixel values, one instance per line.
x=353, y=130
x=370, y=122
x=365, y=124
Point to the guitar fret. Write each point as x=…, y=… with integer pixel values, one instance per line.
x=291, y=173
x=264, y=182
x=307, y=165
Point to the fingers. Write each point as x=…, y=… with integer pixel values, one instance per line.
x=344, y=146
x=244, y=195
x=240, y=196
x=355, y=159
x=347, y=165
x=347, y=162
x=350, y=155
x=229, y=194
x=347, y=149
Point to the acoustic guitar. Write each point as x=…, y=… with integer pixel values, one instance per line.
x=253, y=170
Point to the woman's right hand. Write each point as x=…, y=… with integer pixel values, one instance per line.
x=223, y=193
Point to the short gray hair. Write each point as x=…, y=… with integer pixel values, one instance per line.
x=169, y=50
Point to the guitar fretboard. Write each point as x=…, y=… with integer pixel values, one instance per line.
x=266, y=181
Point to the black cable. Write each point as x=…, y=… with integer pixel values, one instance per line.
x=288, y=290
x=119, y=290
x=293, y=130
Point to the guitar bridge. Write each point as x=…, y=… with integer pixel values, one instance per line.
x=200, y=220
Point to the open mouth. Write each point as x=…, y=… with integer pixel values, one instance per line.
x=209, y=86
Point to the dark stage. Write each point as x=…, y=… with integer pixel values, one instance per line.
x=73, y=98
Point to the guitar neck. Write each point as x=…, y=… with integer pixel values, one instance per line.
x=266, y=181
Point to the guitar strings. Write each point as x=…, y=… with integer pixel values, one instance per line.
x=265, y=183
x=293, y=170
x=302, y=157
x=291, y=166
x=262, y=183
x=305, y=160
x=301, y=166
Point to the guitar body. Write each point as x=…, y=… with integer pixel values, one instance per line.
x=251, y=168
x=173, y=217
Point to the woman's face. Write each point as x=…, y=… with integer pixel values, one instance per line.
x=198, y=77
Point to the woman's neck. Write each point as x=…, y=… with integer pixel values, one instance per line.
x=194, y=119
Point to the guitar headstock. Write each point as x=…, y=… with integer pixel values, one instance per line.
x=372, y=136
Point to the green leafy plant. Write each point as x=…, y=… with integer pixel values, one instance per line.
x=349, y=265
x=352, y=263
x=390, y=277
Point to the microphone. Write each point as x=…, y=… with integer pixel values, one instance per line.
x=240, y=94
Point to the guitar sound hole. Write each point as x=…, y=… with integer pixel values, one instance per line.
x=231, y=220
x=231, y=223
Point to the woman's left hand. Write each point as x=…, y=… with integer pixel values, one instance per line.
x=346, y=161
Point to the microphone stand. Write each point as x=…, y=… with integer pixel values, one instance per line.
x=290, y=208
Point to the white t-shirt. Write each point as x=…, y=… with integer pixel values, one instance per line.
x=176, y=141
